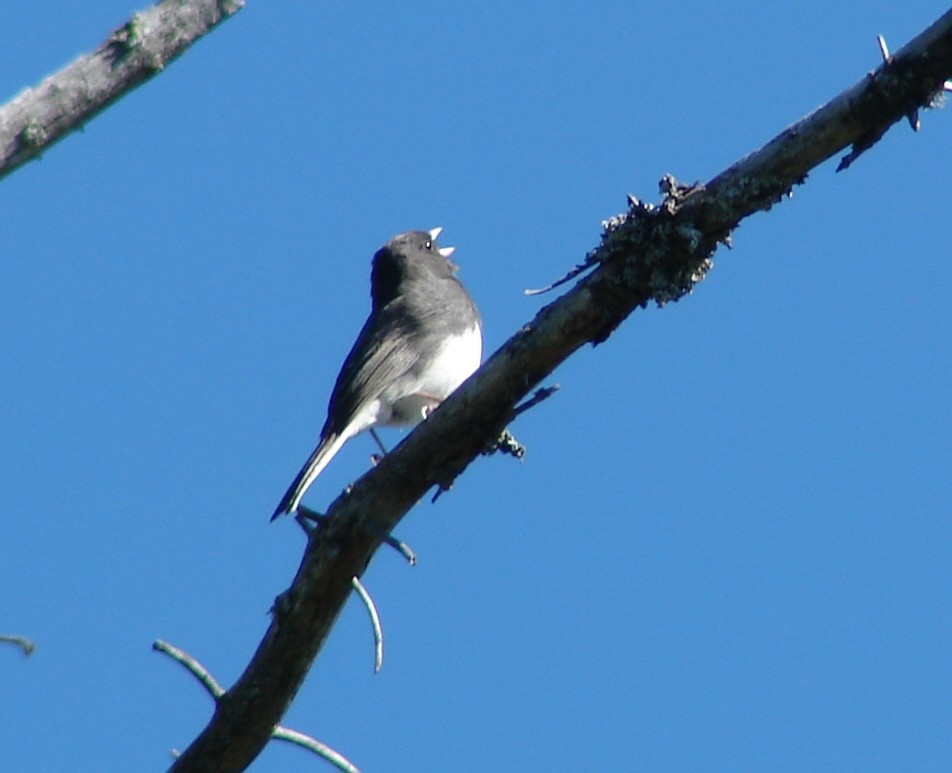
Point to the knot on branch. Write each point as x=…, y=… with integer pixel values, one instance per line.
x=124, y=40
x=31, y=136
x=661, y=254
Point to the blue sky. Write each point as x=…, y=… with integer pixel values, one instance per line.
x=728, y=545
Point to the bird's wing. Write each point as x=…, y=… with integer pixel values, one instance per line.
x=381, y=354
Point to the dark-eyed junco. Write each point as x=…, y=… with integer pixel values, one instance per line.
x=423, y=338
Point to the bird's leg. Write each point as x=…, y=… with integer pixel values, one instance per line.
x=378, y=441
x=428, y=408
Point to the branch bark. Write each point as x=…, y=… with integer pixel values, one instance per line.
x=647, y=254
x=135, y=52
x=27, y=647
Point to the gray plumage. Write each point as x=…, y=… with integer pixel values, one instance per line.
x=421, y=341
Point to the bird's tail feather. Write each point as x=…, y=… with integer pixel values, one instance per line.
x=324, y=452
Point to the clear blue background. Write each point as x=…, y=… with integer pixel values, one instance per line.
x=728, y=547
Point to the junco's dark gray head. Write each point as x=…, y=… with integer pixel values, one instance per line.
x=411, y=256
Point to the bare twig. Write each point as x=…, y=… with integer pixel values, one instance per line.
x=374, y=622
x=644, y=257
x=312, y=744
x=279, y=732
x=135, y=52
x=26, y=646
x=893, y=82
x=573, y=272
x=193, y=666
x=883, y=48
x=311, y=521
x=540, y=394
x=402, y=548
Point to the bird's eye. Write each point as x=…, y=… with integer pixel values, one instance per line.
x=428, y=245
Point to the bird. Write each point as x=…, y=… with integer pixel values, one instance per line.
x=423, y=339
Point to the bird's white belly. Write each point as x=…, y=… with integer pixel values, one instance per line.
x=456, y=361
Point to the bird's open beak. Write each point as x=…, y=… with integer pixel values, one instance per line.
x=444, y=251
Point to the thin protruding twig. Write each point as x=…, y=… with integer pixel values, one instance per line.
x=637, y=208
x=26, y=646
x=543, y=393
x=402, y=548
x=280, y=732
x=506, y=442
x=913, y=115
x=301, y=739
x=311, y=521
x=573, y=272
x=197, y=669
x=883, y=48
x=374, y=621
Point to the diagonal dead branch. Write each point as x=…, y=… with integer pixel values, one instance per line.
x=135, y=52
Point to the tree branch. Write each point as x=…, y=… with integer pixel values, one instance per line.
x=138, y=50
x=279, y=732
x=647, y=254
x=27, y=647
x=374, y=622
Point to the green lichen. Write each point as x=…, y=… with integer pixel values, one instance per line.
x=32, y=135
